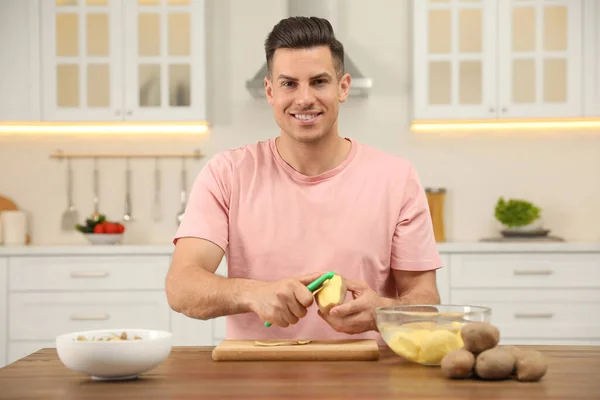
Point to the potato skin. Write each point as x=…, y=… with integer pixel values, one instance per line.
x=530, y=366
x=479, y=336
x=494, y=364
x=458, y=364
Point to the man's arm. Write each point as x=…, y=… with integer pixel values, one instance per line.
x=414, y=287
x=193, y=288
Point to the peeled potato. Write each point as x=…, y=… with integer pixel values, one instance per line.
x=436, y=345
x=332, y=293
x=406, y=345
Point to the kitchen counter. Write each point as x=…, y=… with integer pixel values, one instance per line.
x=447, y=247
x=189, y=372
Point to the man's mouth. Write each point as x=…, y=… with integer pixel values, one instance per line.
x=306, y=117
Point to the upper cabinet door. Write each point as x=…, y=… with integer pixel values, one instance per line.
x=82, y=63
x=540, y=58
x=19, y=60
x=164, y=60
x=454, y=59
x=591, y=57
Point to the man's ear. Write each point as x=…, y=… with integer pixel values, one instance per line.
x=268, y=90
x=344, y=87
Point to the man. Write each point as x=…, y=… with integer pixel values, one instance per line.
x=304, y=203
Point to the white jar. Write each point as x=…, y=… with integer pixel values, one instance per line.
x=14, y=228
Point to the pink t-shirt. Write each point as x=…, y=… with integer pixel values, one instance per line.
x=362, y=219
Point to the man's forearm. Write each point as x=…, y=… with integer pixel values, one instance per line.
x=413, y=297
x=200, y=294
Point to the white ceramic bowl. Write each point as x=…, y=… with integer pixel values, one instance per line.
x=114, y=360
x=104, y=238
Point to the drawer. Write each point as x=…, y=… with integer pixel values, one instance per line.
x=43, y=316
x=543, y=314
x=543, y=270
x=88, y=273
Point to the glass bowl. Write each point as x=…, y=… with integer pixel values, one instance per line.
x=424, y=334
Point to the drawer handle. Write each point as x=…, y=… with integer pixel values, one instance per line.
x=99, y=274
x=541, y=315
x=89, y=317
x=533, y=272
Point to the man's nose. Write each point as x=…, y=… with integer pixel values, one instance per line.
x=305, y=96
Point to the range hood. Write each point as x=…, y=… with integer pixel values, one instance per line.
x=360, y=86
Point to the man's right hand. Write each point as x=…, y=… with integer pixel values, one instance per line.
x=283, y=302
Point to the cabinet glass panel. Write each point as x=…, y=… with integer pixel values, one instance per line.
x=67, y=35
x=471, y=82
x=555, y=80
x=555, y=28
x=149, y=35
x=440, y=31
x=440, y=78
x=66, y=2
x=179, y=34
x=524, y=87
x=149, y=94
x=179, y=85
x=97, y=35
x=524, y=28
x=96, y=2
x=67, y=85
x=98, y=85
x=470, y=24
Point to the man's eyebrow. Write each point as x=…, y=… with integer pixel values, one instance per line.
x=318, y=76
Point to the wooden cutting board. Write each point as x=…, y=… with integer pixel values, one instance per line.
x=317, y=350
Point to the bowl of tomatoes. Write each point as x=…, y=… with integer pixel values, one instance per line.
x=100, y=231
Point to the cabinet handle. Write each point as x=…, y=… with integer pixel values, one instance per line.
x=503, y=109
x=89, y=317
x=542, y=315
x=492, y=109
x=117, y=113
x=129, y=112
x=92, y=274
x=533, y=272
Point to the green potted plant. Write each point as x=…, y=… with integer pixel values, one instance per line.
x=518, y=215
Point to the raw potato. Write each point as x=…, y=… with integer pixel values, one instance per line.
x=332, y=294
x=480, y=336
x=436, y=344
x=406, y=345
x=494, y=364
x=282, y=343
x=530, y=366
x=458, y=364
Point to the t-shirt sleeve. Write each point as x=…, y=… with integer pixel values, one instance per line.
x=414, y=247
x=207, y=211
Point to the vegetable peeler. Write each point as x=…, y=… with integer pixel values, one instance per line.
x=314, y=285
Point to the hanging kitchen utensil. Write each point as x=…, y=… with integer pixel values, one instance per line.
x=156, y=211
x=70, y=216
x=183, y=195
x=96, y=214
x=127, y=216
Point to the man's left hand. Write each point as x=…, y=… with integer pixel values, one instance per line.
x=356, y=315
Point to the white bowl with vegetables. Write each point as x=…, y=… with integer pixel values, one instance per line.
x=113, y=354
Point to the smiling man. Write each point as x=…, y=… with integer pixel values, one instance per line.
x=308, y=201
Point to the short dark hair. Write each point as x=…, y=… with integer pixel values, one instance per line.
x=303, y=33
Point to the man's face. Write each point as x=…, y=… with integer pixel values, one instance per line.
x=305, y=93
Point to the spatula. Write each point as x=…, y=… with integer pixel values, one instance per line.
x=314, y=285
x=70, y=216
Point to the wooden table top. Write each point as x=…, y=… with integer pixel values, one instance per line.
x=189, y=372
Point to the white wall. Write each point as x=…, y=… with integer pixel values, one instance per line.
x=559, y=171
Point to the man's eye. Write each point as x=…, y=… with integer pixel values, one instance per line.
x=321, y=81
x=287, y=83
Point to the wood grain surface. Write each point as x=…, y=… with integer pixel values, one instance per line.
x=317, y=350
x=190, y=373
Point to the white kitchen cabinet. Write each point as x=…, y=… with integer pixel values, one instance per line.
x=591, y=57
x=454, y=59
x=3, y=309
x=497, y=59
x=540, y=58
x=19, y=60
x=123, y=60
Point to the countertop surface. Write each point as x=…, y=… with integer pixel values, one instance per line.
x=189, y=372
x=447, y=247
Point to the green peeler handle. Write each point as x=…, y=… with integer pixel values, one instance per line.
x=314, y=285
